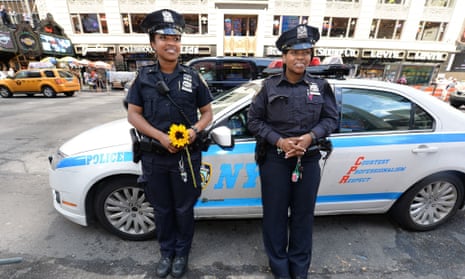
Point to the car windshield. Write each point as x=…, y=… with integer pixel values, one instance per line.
x=228, y=98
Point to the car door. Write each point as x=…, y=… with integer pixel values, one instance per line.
x=379, y=151
x=231, y=184
x=35, y=80
x=21, y=82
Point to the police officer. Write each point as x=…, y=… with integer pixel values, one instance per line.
x=163, y=94
x=291, y=112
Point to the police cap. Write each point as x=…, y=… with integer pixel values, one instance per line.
x=300, y=37
x=167, y=22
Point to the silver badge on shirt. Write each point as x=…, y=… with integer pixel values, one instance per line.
x=187, y=83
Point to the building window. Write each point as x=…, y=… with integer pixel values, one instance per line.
x=237, y=25
x=390, y=2
x=196, y=23
x=350, y=1
x=338, y=27
x=283, y=23
x=438, y=3
x=431, y=31
x=89, y=23
x=386, y=29
x=132, y=23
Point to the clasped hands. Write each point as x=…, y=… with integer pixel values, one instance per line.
x=294, y=146
x=166, y=142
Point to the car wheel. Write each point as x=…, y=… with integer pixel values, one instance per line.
x=69, y=94
x=121, y=208
x=5, y=93
x=429, y=203
x=49, y=92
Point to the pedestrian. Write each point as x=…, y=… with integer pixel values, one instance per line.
x=11, y=72
x=162, y=105
x=288, y=116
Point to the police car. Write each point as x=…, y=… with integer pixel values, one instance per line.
x=397, y=151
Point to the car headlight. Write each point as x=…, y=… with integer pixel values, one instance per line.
x=56, y=158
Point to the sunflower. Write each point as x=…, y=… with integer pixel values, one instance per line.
x=178, y=135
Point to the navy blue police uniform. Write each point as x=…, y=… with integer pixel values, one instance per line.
x=169, y=185
x=165, y=188
x=283, y=109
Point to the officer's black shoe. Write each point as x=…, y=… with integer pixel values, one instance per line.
x=179, y=266
x=163, y=267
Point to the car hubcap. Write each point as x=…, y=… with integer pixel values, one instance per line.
x=433, y=203
x=128, y=211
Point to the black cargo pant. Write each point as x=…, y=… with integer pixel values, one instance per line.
x=290, y=253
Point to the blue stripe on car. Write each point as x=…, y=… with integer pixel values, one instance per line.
x=249, y=147
x=320, y=200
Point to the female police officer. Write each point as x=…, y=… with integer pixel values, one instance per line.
x=291, y=112
x=163, y=94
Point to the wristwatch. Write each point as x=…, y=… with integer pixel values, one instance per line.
x=195, y=129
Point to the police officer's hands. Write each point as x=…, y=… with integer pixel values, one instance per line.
x=294, y=146
x=192, y=135
x=166, y=142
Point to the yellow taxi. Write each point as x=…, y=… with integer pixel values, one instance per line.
x=48, y=82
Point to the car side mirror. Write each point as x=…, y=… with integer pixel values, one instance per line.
x=222, y=136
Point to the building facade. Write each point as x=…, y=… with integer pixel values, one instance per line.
x=382, y=38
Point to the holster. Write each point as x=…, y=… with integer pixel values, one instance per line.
x=260, y=150
x=136, y=151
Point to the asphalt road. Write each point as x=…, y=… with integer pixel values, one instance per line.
x=49, y=246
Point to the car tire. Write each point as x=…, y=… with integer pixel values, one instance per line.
x=69, y=94
x=49, y=92
x=5, y=92
x=429, y=203
x=121, y=208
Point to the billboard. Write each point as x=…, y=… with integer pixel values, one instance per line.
x=7, y=42
x=55, y=45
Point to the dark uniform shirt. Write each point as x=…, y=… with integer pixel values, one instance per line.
x=188, y=90
x=283, y=109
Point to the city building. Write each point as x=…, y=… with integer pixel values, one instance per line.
x=383, y=39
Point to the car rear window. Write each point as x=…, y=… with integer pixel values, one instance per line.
x=49, y=74
x=33, y=74
x=65, y=74
x=237, y=71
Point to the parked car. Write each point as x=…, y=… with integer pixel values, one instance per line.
x=457, y=96
x=397, y=151
x=224, y=73
x=48, y=82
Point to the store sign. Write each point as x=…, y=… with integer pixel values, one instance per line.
x=383, y=53
x=54, y=45
x=427, y=55
x=272, y=51
x=6, y=41
x=339, y=52
x=27, y=41
x=189, y=50
x=131, y=49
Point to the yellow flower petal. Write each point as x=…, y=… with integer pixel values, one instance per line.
x=178, y=135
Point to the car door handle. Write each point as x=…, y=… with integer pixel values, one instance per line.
x=425, y=149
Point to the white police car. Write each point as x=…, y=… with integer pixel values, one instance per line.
x=397, y=150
